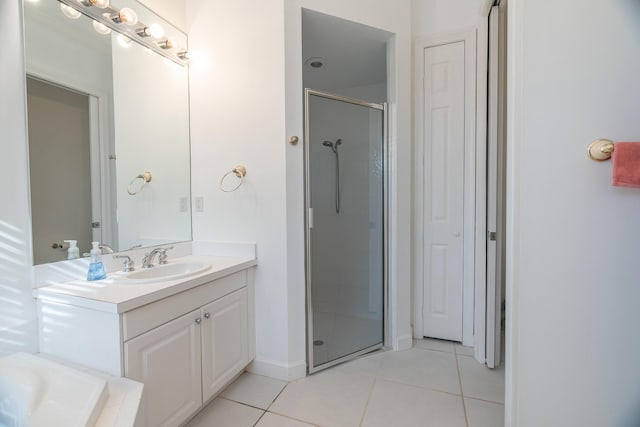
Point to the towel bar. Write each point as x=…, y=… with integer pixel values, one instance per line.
x=601, y=149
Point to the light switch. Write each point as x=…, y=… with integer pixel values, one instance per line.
x=199, y=201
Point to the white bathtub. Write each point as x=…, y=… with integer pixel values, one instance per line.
x=38, y=392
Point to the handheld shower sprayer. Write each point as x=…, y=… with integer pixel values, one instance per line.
x=334, y=148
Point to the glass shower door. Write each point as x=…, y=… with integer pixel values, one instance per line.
x=345, y=199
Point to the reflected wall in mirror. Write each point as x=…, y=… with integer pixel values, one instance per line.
x=102, y=111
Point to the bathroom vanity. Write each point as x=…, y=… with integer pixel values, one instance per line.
x=185, y=335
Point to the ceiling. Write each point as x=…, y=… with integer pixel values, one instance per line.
x=355, y=54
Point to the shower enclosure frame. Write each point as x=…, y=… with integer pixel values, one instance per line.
x=311, y=368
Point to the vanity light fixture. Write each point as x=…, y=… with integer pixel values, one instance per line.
x=97, y=3
x=101, y=28
x=69, y=12
x=109, y=18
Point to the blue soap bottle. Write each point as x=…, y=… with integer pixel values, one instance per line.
x=96, y=268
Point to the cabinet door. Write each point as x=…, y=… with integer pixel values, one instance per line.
x=225, y=349
x=167, y=360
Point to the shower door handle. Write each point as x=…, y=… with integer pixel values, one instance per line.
x=310, y=219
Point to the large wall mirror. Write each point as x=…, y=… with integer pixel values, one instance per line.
x=108, y=124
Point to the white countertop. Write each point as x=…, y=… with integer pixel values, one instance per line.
x=114, y=295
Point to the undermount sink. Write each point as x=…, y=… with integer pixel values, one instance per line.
x=167, y=272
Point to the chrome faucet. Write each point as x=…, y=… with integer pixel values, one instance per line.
x=128, y=264
x=147, y=261
x=106, y=249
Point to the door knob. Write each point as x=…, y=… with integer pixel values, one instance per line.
x=207, y=315
x=198, y=321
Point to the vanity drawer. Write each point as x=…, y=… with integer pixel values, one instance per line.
x=145, y=318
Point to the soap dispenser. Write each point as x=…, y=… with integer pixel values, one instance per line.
x=96, y=268
x=73, y=252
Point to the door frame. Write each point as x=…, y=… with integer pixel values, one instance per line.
x=101, y=148
x=474, y=255
x=308, y=219
x=495, y=182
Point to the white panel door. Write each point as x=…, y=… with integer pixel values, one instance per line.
x=443, y=139
x=167, y=361
x=225, y=350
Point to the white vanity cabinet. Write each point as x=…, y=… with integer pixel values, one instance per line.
x=225, y=349
x=184, y=346
x=187, y=361
x=167, y=360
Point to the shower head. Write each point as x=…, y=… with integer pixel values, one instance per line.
x=332, y=145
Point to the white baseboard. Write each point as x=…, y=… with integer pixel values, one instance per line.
x=403, y=342
x=272, y=369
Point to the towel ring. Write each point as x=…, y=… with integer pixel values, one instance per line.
x=240, y=172
x=144, y=177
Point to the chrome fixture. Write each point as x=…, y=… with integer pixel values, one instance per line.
x=334, y=148
x=147, y=261
x=240, y=172
x=106, y=249
x=144, y=179
x=128, y=264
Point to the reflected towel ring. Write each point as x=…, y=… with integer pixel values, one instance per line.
x=240, y=172
x=145, y=177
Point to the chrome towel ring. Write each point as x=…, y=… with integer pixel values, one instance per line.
x=144, y=178
x=240, y=172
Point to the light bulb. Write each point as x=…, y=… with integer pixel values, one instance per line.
x=101, y=28
x=128, y=16
x=69, y=12
x=155, y=30
x=124, y=41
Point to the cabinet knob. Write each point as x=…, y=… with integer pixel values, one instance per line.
x=207, y=315
x=198, y=320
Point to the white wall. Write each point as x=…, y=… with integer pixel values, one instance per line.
x=18, y=324
x=572, y=262
x=238, y=75
x=237, y=117
x=174, y=11
x=430, y=17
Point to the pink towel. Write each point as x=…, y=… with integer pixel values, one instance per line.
x=626, y=164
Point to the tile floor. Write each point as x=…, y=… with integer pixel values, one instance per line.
x=436, y=383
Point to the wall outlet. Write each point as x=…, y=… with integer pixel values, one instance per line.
x=199, y=202
x=184, y=204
